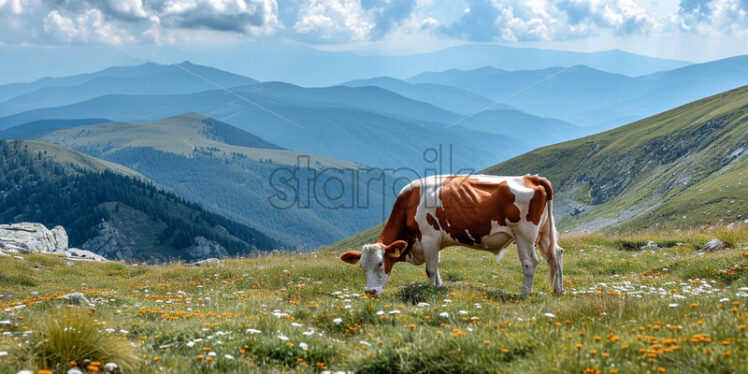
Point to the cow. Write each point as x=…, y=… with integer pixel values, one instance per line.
x=483, y=212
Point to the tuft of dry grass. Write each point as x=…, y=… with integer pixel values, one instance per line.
x=66, y=338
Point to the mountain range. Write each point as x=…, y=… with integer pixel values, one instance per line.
x=227, y=170
x=588, y=97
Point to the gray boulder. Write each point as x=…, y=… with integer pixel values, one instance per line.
x=27, y=237
x=713, y=245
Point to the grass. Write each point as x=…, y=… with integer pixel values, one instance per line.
x=673, y=309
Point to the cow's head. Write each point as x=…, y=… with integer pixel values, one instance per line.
x=376, y=259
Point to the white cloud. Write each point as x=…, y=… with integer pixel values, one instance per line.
x=334, y=20
x=359, y=21
x=89, y=26
x=713, y=17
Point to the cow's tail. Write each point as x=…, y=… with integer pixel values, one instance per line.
x=553, y=253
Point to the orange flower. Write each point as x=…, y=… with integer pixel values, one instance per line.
x=579, y=346
x=200, y=357
x=605, y=355
x=412, y=326
x=593, y=352
x=209, y=358
x=320, y=364
x=624, y=346
x=505, y=350
x=661, y=369
x=92, y=368
x=45, y=372
x=206, y=349
x=156, y=358
x=486, y=342
x=289, y=344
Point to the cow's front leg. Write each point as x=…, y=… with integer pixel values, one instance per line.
x=432, y=269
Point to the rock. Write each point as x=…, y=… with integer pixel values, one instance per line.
x=33, y=237
x=713, y=245
x=110, y=243
x=76, y=298
x=25, y=237
x=203, y=248
x=208, y=262
x=84, y=255
x=651, y=245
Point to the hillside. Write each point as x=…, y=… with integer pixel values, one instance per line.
x=112, y=210
x=585, y=96
x=144, y=79
x=232, y=172
x=683, y=167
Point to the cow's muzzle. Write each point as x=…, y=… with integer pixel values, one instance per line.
x=372, y=292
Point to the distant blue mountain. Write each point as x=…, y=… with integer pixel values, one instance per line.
x=145, y=79
x=586, y=96
x=447, y=97
x=367, y=125
x=307, y=66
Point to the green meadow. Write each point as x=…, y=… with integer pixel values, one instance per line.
x=625, y=309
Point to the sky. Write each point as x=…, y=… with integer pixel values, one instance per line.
x=692, y=30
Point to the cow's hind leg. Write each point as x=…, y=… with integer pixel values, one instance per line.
x=529, y=260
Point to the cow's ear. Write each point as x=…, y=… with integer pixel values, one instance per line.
x=351, y=257
x=396, y=248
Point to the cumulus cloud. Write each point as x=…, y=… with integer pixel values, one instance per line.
x=711, y=17
x=89, y=26
x=345, y=21
x=351, y=20
x=115, y=21
x=510, y=21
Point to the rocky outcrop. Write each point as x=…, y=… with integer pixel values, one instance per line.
x=29, y=237
x=203, y=248
x=110, y=242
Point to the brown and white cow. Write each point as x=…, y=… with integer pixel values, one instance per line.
x=478, y=211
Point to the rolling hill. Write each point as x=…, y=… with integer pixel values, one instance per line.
x=590, y=97
x=113, y=210
x=366, y=125
x=683, y=167
x=144, y=79
x=230, y=171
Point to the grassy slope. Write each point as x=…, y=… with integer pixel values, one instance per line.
x=616, y=312
x=689, y=161
x=79, y=160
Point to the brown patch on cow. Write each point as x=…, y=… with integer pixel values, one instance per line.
x=401, y=225
x=432, y=221
x=543, y=193
x=469, y=205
